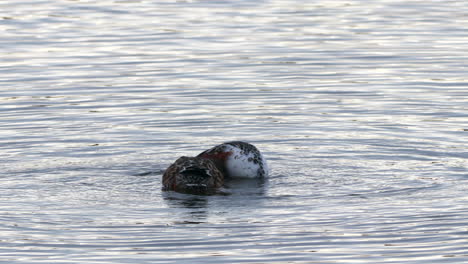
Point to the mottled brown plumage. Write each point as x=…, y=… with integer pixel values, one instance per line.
x=195, y=175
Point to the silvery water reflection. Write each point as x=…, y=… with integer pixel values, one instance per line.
x=359, y=106
x=232, y=197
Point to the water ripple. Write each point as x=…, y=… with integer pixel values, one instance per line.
x=360, y=108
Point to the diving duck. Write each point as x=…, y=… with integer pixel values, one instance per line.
x=206, y=172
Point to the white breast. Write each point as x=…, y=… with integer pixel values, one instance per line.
x=245, y=165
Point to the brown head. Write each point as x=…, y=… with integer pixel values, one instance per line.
x=194, y=175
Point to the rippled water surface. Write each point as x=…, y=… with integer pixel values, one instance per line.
x=361, y=108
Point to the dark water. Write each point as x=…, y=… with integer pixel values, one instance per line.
x=361, y=108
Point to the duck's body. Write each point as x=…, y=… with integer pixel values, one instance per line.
x=237, y=159
x=192, y=175
x=206, y=172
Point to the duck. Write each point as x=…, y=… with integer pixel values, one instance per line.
x=206, y=172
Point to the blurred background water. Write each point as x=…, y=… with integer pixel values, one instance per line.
x=361, y=108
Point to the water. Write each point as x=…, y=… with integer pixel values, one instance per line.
x=361, y=108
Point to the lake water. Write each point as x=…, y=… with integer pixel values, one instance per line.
x=360, y=107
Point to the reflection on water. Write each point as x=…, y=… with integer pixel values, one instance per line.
x=359, y=107
x=197, y=206
x=241, y=186
x=185, y=200
x=234, y=195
